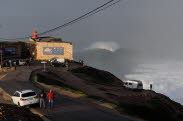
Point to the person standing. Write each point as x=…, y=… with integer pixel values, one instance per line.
x=14, y=64
x=150, y=86
x=42, y=98
x=50, y=97
x=10, y=63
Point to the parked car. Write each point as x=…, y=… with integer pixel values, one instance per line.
x=133, y=84
x=57, y=62
x=21, y=62
x=25, y=97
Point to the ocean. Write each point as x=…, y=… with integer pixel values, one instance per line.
x=166, y=76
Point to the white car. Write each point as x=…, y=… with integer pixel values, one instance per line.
x=21, y=62
x=59, y=60
x=25, y=97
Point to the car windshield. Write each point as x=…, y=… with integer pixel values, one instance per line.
x=28, y=94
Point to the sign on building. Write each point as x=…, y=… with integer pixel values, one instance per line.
x=53, y=50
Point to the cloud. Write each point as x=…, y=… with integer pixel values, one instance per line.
x=1, y=26
x=111, y=46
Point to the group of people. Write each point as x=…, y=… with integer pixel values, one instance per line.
x=9, y=63
x=81, y=62
x=49, y=96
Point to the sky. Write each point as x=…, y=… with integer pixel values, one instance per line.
x=139, y=24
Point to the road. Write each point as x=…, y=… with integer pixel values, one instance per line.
x=65, y=108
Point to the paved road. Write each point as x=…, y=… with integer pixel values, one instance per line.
x=65, y=109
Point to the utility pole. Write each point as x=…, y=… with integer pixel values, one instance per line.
x=44, y=68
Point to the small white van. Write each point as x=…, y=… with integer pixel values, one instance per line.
x=133, y=84
x=59, y=60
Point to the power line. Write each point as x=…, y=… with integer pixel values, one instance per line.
x=23, y=38
x=90, y=13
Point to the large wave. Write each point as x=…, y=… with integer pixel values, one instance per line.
x=109, y=45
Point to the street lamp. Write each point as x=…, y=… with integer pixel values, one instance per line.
x=33, y=55
x=44, y=65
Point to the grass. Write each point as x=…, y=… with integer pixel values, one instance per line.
x=63, y=88
x=99, y=99
x=69, y=89
x=57, y=84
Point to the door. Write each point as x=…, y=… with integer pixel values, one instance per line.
x=130, y=85
x=16, y=98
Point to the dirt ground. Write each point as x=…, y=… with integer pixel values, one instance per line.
x=9, y=112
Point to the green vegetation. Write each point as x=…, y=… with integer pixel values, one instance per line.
x=60, y=86
x=69, y=89
x=99, y=99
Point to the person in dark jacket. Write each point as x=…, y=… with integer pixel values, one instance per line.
x=42, y=99
x=150, y=86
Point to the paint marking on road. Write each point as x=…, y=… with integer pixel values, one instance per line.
x=38, y=113
x=2, y=76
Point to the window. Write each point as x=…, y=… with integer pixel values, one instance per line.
x=28, y=94
x=130, y=83
x=10, y=51
x=16, y=94
x=140, y=84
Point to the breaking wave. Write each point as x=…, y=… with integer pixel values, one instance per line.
x=111, y=46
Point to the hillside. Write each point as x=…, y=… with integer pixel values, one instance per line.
x=145, y=104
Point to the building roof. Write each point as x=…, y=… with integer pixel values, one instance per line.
x=138, y=81
x=26, y=91
x=48, y=39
